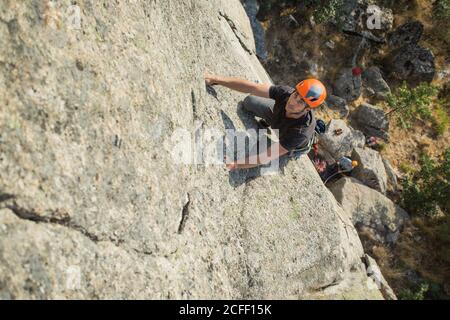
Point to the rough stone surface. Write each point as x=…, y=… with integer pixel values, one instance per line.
x=347, y=86
x=355, y=16
x=372, y=121
x=373, y=270
x=370, y=210
x=94, y=205
x=371, y=169
x=392, y=175
x=373, y=81
x=338, y=104
x=406, y=34
x=341, y=145
x=412, y=63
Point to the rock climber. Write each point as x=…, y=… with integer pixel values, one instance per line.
x=287, y=109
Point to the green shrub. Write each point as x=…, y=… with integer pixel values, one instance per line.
x=443, y=235
x=424, y=290
x=427, y=191
x=322, y=10
x=442, y=20
x=442, y=9
x=418, y=294
x=325, y=11
x=409, y=104
x=441, y=120
x=426, y=194
x=380, y=147
x=406, y=167
x=442, y=116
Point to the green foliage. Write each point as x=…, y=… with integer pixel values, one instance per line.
x=410, y=104
x=442, y=20
x=406, y=167
x=427, y=191
x=426, y=194
x=442, y=117
x=325, y=11
x=443, y=236
x=424, y=290
x=418, y=294
x=380, y=147
x=441, y=120
x=442, y=9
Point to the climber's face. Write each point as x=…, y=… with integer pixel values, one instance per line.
x=295, y=103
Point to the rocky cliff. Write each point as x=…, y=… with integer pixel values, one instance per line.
x=92, y=203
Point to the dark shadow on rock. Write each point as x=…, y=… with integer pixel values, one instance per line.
x=242, y=176
x=212, y=91
x=236, y=177
x=247, y=119
x=6, y=196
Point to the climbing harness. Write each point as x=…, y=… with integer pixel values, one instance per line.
x=312, y=144
x=297, y=153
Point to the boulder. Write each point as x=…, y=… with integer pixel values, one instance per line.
x=359, y=15
x=411, y=63
x=340, y=145
x=95, y=203
x=370, y=170
x=386, y=19
x=371, y=212
x=374, y=272
x=406, y=34
x=374, y=82
x=347, y=85
x=372, y=121
x=392, y=175
x=338, y=104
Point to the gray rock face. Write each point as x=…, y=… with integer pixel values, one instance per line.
x=409, y=33
x=373, y=271
x=392, y=175
x=412, y=63
x=357, y=15
x=408, y=60
x=372, y=121
x=348, y=86
x=338, y=104
x=340, y=145
x=373, y=81
x=94, y=205
x=371, y=169
x=371, y=211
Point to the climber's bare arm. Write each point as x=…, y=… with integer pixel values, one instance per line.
x=238, y=84
x=274, y=152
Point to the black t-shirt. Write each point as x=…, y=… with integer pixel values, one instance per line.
x=293, y=133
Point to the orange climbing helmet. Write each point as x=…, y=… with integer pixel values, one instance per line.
x=312, y=91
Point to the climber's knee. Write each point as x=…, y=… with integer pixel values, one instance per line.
x=248, y=102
